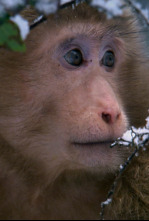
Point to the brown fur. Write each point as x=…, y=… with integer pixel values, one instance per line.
x=41, y=106
x=131, y=199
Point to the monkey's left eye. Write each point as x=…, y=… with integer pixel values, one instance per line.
x=74, y=57
x=108, y=59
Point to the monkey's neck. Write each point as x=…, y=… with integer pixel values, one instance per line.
x=78, y=195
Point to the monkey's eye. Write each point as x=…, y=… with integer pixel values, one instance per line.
x=108, y=59
x=74, y=57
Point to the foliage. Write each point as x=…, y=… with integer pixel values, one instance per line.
x=10, y=34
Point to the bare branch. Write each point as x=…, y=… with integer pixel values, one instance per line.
x=141, y=144
x=137, y=11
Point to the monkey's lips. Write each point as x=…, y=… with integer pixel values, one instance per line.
x=92, y=144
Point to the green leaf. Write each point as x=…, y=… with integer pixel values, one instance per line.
x=4, y=18
x=10, y=37
x=7, y=30
x=14, y=45
x=32, y=2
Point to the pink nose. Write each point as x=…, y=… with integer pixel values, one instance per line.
x=110, y=116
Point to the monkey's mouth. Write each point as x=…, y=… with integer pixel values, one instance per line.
x=96, y=153
x=94, y=143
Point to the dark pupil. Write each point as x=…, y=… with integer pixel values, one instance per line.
x=74, y=57
x=109, y=59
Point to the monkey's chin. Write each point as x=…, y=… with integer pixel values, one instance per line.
x=99, y=156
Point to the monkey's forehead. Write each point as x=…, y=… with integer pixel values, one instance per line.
x=84, y=19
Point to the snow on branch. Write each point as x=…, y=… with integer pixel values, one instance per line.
x=133, y=138
x=111, y=8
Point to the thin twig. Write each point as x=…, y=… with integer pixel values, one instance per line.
x=142, y=144
x=137, y=11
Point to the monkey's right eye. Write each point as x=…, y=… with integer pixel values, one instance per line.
x=74, y=57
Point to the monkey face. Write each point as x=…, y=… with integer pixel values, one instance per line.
x=68, y=111
x=90, y=111
x=81, y=83
x=66, y=107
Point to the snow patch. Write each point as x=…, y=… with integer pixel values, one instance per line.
x=46, y=6
x=147, y=124
x=114, y=6
x=22, y=24
x=65, y=1
x=10, y=4
x=136, y=135
x=107, y=202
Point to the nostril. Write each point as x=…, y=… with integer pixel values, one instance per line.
x=110, y=117
x=107, y=118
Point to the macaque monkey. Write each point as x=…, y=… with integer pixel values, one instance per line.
x=79, y=86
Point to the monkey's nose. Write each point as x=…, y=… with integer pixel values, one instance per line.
x=110, y=116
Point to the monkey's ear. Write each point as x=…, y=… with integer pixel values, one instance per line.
x=30, y=14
